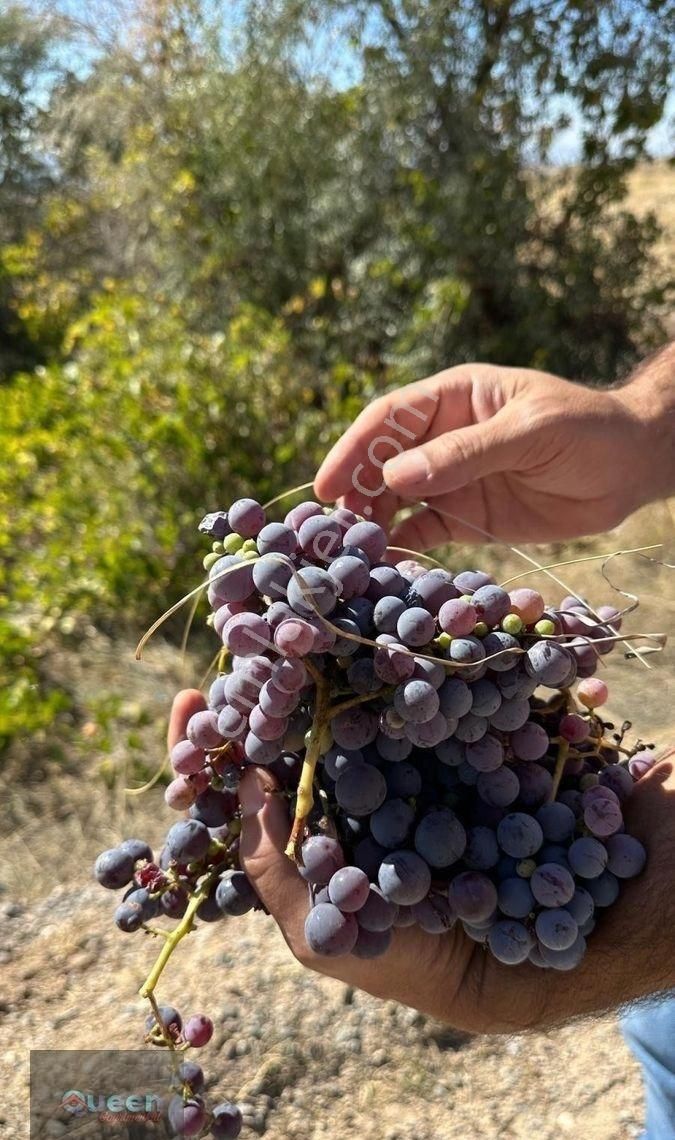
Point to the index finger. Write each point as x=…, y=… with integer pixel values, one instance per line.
x=390, y=425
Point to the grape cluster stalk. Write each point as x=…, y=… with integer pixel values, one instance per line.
x=439, y=768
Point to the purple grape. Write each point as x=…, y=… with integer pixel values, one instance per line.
x=432, y=590
x=276, y=613
x=451, y=752
x=294, y=637
x=391, y=823
x=440, y=838
x=482, y=851
x=392, y=664
x=502, y=649
x=602, y=815
x=371, y=943
x=337, y=760
x=322, y=856
x=511, y=715
x=556, y=929
x=267, y=727
x=348, y=889
x=618, y=779
x=114, y=868
x=548, y=662
x=530, y=741
x=214, y=808
x=557, y=821
x=470, y=580
x=471, y=728
x=368, y=855
x=226, y=1122
x=235, y=894
x=403, y=779
x=486, y=698
x=510, y=941
x=434, y=914
x=391, y=748
x=500, y=788
x=386, y=614
x=415, y=627
x=355, y=727
x=404, y=877
x=312, y=591
x=188, y=840
x=627, y=856
x=191, y=1075
x=455, y=698
x=431, y=671
x=491, y=604
x=552, y=885
x=535, y=784
x=289, y=675
x=473, y=896
x=198, y=1030
x=202, y=730
x=581, y=906
x=262, y=752
x=564, y=959
x=587, y=857
x=246, y=635
x=350, y=574
x=276, y=703
x=486, y=754
x=362, y=678
x=246, y=517
x=466, y=651
x=276, y=538
x=271, y=576
x=519, y=835
x=604, y=889
x=186, y=1118
x=360, y=790
x=368, y=537
x=230, y=584
x=320, y=537
x=384, y=581
x=515, y=897
x=329, y=932
x=137, y=907
x=297, y=516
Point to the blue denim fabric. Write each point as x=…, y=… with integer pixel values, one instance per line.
x=649, y=1031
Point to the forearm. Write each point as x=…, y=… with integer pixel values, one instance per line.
x=649, y=397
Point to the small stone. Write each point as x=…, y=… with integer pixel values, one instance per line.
x=242, y=1048
x=379, y=1057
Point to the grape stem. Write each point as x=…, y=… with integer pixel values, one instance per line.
x=563, y=753
x=361, y=699
x=172, y=939
x=305, y=795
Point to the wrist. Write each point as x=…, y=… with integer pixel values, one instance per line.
x=648, y=398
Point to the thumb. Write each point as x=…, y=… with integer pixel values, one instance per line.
x=264, y=835
x=457, y=458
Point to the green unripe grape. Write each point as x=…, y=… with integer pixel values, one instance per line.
x=443, y=641
x=217, y=547
x=209, y=560
x=209, y=620
x=480, y=629
x=466, y=598
x=249, y=555
x=512, y=624
x=249, y=544
x=545, y=628
x=526, y=868
x=232, y=543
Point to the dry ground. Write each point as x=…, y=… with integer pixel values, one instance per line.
x=308, y=1057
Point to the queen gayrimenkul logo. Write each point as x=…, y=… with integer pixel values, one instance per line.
x=113, y=1107
x=74, y=1102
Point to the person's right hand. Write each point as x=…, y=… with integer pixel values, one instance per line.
x=523, y=455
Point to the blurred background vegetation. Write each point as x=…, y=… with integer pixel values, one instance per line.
x=226, y=226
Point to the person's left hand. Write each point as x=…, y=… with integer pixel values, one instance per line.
x=446, y=976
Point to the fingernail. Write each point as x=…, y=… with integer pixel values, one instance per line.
x=253, y=790
x=409, y=469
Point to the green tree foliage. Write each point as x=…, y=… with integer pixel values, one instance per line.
x=230, y=225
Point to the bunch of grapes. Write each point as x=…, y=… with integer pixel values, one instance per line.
x=438, y=768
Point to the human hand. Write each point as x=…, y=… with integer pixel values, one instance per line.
x=449, y=976
x=520, y=454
